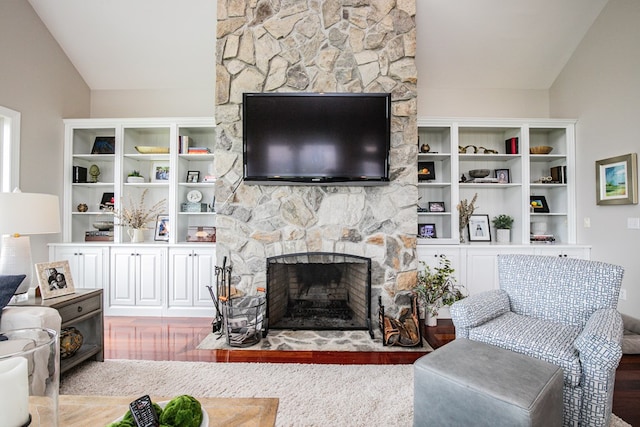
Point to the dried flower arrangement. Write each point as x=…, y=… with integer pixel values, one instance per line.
x=137, y=216
x=465, y=210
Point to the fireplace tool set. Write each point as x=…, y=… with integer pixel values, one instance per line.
x=242, y=319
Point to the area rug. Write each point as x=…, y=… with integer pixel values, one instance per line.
x=310, y=395
x=284, y=340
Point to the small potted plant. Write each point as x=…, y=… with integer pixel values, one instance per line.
x=135, y=177
x=436, y=288
x=503, y=224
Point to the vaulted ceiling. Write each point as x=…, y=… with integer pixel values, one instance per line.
x=169, y=44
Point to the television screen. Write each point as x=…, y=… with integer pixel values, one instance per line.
x=316, y=138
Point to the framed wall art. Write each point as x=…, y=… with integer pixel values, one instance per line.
x=426, y=171
x=104, y=145
x=54, y=279
x=617, y=180
x=503, y=175
x=479, y=230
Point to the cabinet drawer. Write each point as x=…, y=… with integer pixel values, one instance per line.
x=80, y=308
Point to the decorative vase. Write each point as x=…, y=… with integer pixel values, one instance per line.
x=430, y=319
x=136, y=235
x=503, y=235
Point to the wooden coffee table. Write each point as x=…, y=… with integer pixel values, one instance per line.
x=82, y=411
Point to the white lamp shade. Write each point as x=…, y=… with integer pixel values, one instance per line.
x=29, y=213
x=22, y=214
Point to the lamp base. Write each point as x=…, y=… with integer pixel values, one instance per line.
x=15, y=258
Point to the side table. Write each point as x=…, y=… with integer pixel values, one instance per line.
x=82, y=310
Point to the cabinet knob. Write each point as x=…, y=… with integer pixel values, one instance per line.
x=79, y=309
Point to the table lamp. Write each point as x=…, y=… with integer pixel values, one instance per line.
x=22, y=214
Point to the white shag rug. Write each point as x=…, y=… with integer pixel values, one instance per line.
x=310, y=394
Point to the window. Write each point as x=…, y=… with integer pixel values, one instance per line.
x=9, y=149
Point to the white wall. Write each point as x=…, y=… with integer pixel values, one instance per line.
x=38, y=80
x=601, y=87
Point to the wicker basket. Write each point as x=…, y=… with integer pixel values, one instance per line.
x=540, y=149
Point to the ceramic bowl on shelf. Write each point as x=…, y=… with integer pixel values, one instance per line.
x=144, y=149
x=479, y=173
x=103, y=225
x=540, y=149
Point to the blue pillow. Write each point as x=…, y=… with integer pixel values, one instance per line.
x=8, y=287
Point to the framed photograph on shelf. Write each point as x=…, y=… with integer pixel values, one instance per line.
x=503, y=175
x=104, y=145
x=427, y=231
x=107, y=201
x=617, y=180
x=196, y=233
x=539, y=204
x=436, y=207
x=162, y=228
x=193, y=177
x=479, y=230
x=54, y=279
x=160, y=172
x=426, y=171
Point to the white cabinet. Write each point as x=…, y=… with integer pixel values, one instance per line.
x=191, y=269
x=137, y=279
x=88, y=264
x=514, y=180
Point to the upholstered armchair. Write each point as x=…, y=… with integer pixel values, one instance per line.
x=561, y=310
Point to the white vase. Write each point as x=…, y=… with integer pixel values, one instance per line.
x=136, y=235
x=430, y=319
x=503, y=235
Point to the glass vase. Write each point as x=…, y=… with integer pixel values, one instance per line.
x=29, y=377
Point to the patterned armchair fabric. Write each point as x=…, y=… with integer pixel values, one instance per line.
x=561, y=310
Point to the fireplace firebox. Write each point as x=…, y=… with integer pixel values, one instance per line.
x=319, y=291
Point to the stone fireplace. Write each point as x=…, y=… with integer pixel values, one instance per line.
x=319, y=291
x=317, y=46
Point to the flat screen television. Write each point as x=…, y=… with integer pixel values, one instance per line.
x=316, y=138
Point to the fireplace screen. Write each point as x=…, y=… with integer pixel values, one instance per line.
x=319, y=291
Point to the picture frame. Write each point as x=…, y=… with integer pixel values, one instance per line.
x=107, y=201
x=160, y=172
x=427, y=231
x=617, y=180
x=426, y=171
x=54, y=279
x=479, y=228
x=539, y=204
x=104, y=145
x=193, y=177
x=436, y=207
x=197, y=233
x=162, y=228
x=503, y=176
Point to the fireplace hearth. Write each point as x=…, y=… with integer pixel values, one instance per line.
x=319, y=291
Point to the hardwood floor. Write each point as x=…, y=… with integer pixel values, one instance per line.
x=153, y=338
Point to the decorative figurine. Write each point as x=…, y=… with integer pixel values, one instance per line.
x=82, y=207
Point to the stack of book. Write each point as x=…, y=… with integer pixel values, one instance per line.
x=209, y=178
x=544, y=238
x=183, y=144
x=98, y=236
x=199, y=150
x=483, y=180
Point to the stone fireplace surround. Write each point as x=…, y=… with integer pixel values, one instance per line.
x=317, y=46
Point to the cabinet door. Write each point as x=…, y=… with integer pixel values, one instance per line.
x=482, y=267
x=431, y=256
x=151, y=278
x=88, y=264
x=123, y=277
x=204, y=274
x=581, y=252
x=180, y=278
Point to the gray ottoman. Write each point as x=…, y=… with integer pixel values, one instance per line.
x=469, y=383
